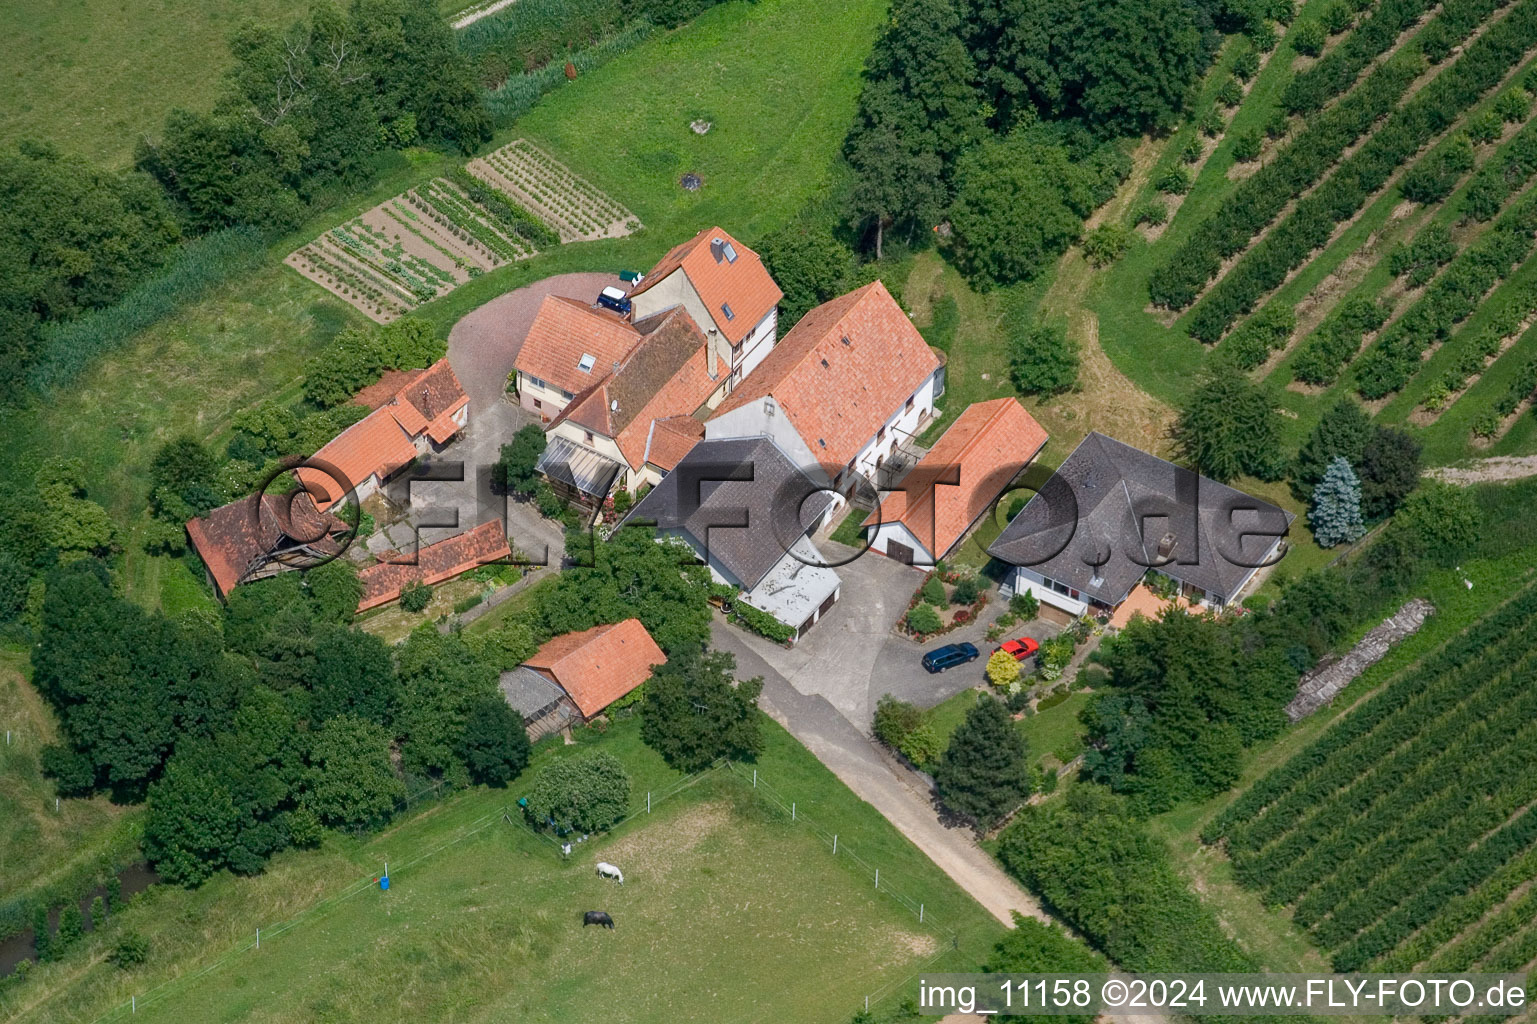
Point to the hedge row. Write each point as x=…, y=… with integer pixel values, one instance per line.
x=1257, y=200
x=1400, y=796
x=1312, y=222
x=1337, y=340
x=1430, y=787
x=1264, y=332
x=1521, y=388
x=1476, y=348
x=1337, y=71
x=1462, y=872
x=1502, y=176
x=1502, y=626
x=1465, y=910
x=1346, y=767
x=1396, y=356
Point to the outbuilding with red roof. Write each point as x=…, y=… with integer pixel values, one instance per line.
x=925, y=516
x=597, y=666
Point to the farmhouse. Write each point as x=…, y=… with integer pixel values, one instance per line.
x=725, y=288
x=570, y=347
x=936, y=504
x=421, y=417
x=1112, y=513
x=606, y=431
x=575, y=676
x=746, y=509
x=262, y=535
x=432, y=564
x=850, y=383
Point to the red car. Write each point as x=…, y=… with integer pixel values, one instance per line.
x=1022, y=648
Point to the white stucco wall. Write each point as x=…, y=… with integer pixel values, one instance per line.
x=1024, y=579
x=902, y=535
x=551, y=399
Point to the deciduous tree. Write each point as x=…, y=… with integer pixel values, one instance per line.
x=695, y=712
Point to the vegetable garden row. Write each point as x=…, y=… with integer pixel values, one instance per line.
x=425, y=242
x=1406, y=833
x=570, y=204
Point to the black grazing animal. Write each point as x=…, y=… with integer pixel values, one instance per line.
x=597, y=917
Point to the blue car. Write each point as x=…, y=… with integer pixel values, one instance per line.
x=949, y=656
x=614, y=298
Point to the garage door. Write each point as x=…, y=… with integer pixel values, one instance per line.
x=899, y=552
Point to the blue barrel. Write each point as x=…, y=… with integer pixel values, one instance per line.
x=384, y=882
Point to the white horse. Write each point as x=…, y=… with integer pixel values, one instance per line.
x=606, y=870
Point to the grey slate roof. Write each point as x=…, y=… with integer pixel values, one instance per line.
x=528, y=692
x=740, y=499
x=1082, y=528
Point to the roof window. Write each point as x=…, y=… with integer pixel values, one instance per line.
x=585, y=364
x=730, y=251
x=725, y=307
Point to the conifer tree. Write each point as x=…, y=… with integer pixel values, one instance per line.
x=985, y=771
x=1336, y=512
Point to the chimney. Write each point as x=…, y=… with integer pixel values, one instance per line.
x=718, y=249
x=710, y=355
x=1165, y=547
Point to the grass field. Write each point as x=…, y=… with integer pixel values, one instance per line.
x=482, y=921
x=1051, y=733
x=92, y=76
x=40, y=847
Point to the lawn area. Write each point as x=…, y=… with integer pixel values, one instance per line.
x=778, y=81
x=41, y=847
x=1268, y=932
x=482, y=920
x=1053, y=732
x=92, y=76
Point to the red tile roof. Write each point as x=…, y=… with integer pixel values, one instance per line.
x=842, y=372
x=231, y=538
x=671, y=439
x=599, y=665
x=968, y=467
x=384, y=389
x=667, y=374
x=564, y=330
x=743, y=283
x=434, y=563
x=383, y=441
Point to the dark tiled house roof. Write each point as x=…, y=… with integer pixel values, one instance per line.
x=740, y=499
x=1083, y=528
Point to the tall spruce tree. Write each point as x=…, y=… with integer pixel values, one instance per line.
x=985, y=771
x=1335, y=515
x=1342, y=431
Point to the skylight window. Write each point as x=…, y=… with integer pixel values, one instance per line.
x=586, y=363
x=725, y=307
x=730, y=252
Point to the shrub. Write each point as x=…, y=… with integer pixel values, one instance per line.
x=761, y=622
x=933, y=591
x=1106, y=244
x=1251, y=342
x=1002, y=669
x=1043, y=360
x=1336, y=17
x=1308, y=38
x=1247, y=145
x=1485, y=127
x=966, y=591
x=922, y=745
x=415, y=596
x=961, y=615
x=1513, y=106
x=580, y=794
x=131, y=950
x=1277, y=124
x=1231, y=93
x=1153, y=212
x=924, y=619
x=1246, y=65
x=1193, y=150
x=1213, y=124
x=1175, y=181
x=1025, y=604
x=894, y=719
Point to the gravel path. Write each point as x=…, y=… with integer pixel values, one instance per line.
x=1483, y=471
x=484, y=12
